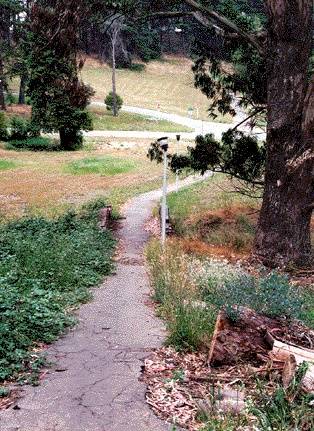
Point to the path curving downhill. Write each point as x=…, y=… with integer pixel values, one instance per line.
x=199, y=127
x=94, y=384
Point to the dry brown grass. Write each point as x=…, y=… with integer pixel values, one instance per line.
x=168, y=83
x=40, y=185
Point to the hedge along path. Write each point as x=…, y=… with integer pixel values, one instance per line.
x=94, y=382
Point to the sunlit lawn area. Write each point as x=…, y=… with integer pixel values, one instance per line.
x=167, y=84
x=49, y=183
x=104, y=120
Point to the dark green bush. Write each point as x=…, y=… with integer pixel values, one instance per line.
x=11, y=99
x=46, y=268
x=137, y=67
x=109, y=102
x=33, y=130
x=33, y=144
x=19, y=128
x=3, y=127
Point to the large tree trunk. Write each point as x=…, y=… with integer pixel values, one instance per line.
x=70, y=140
x=283, y=234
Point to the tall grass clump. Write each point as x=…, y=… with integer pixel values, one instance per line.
x=191, y=291
x=189, y=323
x=46, y=270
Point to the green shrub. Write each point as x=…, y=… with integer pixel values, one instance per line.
x=33, y=144
x=19, y=128
x=11, y=99
x=137, y=67
x=272, y=295
x=46, y=269
x=3, y=127
x=109, y=102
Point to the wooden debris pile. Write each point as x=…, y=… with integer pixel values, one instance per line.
x=258, y=339
x=182, y=388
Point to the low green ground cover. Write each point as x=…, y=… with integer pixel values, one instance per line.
x=46, y=270
x=6, y=164
x=107, y=166
x=39, y=143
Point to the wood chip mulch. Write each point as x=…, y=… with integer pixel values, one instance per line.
x=178, y=384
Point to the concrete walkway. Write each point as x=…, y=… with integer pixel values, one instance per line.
x=199, y=127
x=94, y=384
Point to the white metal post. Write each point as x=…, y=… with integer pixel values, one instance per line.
x=164, y=200
x=177, y=172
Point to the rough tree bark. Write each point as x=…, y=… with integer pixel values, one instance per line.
x=283, y=234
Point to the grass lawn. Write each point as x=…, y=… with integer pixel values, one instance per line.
x=105, y=166
x=104, y=120
x=168, y=84
x=6, y=164
x=49, y=183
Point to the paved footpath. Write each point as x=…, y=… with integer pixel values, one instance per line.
x=94, y=384
x=199, y=127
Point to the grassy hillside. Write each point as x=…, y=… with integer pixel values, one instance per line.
x=168, y=84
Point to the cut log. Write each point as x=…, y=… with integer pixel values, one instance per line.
x=289, y=370
x=240, y=341
x=250, y=339
x=105, y=217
